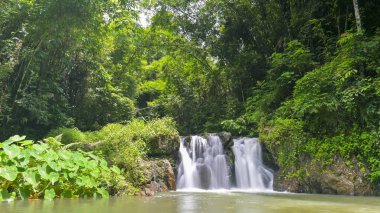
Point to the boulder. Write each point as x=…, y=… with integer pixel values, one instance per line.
x=159, y=175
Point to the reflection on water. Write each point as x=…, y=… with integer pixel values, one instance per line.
x=216, y=202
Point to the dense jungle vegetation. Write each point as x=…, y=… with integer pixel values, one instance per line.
x=303, y=75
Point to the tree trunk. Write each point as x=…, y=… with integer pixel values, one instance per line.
x=357, y=15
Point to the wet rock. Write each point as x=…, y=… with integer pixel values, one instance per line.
x=159, y=176
x=149, y=192
x=140, y=194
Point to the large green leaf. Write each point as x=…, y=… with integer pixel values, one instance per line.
x=40, y=147
x=24, y=193
x=103, y=164
x=24, y=158
x=31, y=177
x=53, y=177
x=67, y=193
x=42, y=170
x=33, y=153
x=86, y=181
x=26, y=142
x=12, y=151
x=49, y=194
x=4, y=195
x=96, y=158
x=65, y=155
x=9, y=172
x=103, y=192
x=13, y=139
x=54, y=166
x=51, y=155
x=116, y=170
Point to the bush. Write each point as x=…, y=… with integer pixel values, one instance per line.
x=68, y=135
x=126, y=145
x=44, y=170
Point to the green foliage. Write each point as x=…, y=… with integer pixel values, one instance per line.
x=55, y=64
x=30, y=170
x=237, y=127
x=357, y=145
x=344, y=91
x=285, y=138
x=333, y=111
x=67, y=135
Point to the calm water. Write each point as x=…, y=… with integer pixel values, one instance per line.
x=202, y=202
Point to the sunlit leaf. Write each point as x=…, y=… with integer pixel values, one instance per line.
x=42, y=170
x=9, y=172
x=50, y=156
x=12, y=151
x=31, y=178
x=53, y=177
x=54, y=166
x=13, y=139
x=26, y=142
x=103, y=192
x=49, y=194
x=116, y=170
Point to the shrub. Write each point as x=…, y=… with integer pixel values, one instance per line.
x=126, y=145
x=68, y=135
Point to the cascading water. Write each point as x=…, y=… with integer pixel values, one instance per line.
x=203, y=165
x=250, y=172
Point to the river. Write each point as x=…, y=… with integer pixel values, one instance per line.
x=207, y=202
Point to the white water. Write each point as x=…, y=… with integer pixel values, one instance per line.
x=203, y=165
x=250, y=171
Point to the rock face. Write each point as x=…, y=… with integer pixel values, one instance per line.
x=337, y=178
x=160, y=177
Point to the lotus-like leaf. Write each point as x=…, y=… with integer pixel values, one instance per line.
x=49, y=194
x=50, y=156
x=54, y=166
x=40, y=147
x=12, y=151
x=4, y=195
x=9, y=172
x=42, y=170
x=24, y=193
x=53, y=177
x=13, y=139
x=31, y=177
x=103, y=192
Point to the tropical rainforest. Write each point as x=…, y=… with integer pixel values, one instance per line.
x=303, y=75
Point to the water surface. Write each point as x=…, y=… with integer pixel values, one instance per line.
x=207, y=202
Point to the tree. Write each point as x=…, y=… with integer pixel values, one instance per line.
x=357, y=15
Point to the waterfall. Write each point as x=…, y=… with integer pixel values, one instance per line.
x=203, y=165
x=250, y=172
